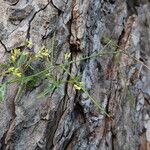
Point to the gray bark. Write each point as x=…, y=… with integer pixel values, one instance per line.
x=66, y=119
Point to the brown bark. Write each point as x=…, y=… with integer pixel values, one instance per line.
x=66, y=119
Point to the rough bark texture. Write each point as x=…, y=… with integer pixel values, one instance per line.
x=66, y=119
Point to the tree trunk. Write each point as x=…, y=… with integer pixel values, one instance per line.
x=118, y=79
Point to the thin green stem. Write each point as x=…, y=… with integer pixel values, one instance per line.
x=82, y=89
x=95, y=103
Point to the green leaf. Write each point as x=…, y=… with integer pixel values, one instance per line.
x=51, y=87
x=4, y=66
x=2, y=91
x=31, y=82
x=22, y=59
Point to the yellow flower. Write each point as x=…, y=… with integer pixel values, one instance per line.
x=11, y=69
x=15, y=71
x=18, y=74
x=13, y=58
x=16, y=51
x=29, y=43
x=42, y=53
x=15, y=54
x=78, y=86
x=67, y=56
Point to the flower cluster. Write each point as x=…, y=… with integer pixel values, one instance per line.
x=78, y=85
x=15, y=54
x=15, y=71
x=43, y=52
x=29, y=43
x=67, y=56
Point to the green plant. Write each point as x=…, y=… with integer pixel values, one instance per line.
x=22, y=70
x=2, y=91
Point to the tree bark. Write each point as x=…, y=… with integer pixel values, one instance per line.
x=66, y=119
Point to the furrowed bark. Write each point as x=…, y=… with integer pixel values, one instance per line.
x=67, y=119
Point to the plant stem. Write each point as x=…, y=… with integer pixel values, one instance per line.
x=95, y=103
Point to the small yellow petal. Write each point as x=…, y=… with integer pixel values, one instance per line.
x=18, y=74
x=13, y=58
x=29, y=43
x=44, y=54
x=16, y=52
x=77, y=87
x=11, y=69
x=67, y=56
